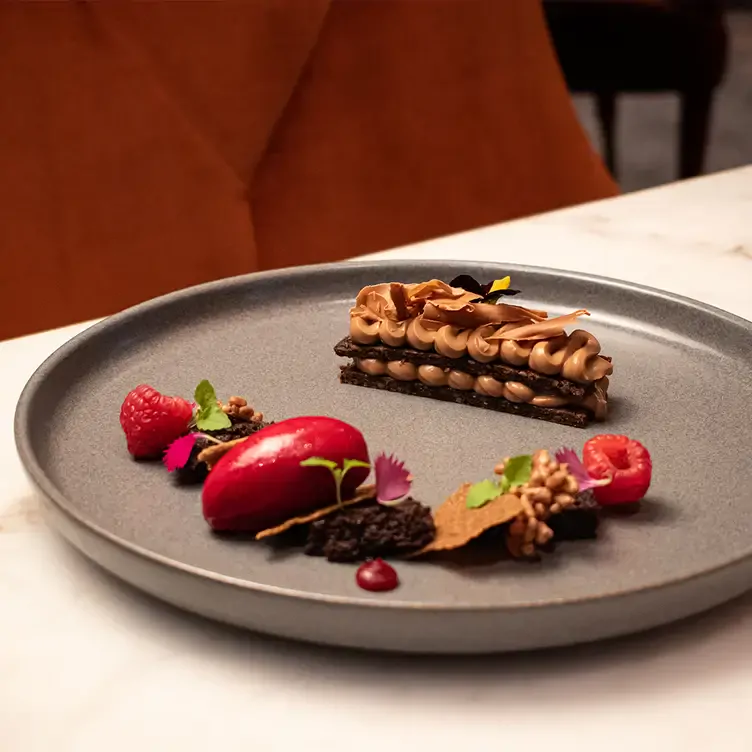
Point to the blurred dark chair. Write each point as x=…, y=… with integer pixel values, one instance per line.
x=610, y=47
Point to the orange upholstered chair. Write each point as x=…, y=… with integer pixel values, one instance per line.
x=145, y=147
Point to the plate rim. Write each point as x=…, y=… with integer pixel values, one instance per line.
x=48, y=489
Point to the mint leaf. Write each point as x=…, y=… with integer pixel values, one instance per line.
x=481, y=493
x=319, y=462
x=518, y=469
x=205, y=394
x=210, y=416
x=214, y=420
x=505, y=484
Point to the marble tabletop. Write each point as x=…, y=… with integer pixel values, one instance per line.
x=87, y=664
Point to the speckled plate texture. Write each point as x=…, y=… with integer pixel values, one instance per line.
x=682, y=384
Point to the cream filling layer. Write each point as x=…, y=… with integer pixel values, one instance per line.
x=576, y=356
x=514, y=391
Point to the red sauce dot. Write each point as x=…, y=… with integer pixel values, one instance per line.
x=376, y=576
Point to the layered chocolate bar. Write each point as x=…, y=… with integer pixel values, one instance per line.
x=445, y=342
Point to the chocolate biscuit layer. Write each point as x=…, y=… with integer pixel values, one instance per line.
x=577, y=417
x=501, y=371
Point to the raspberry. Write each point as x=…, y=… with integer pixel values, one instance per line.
x=625, y=461
x=152, y=421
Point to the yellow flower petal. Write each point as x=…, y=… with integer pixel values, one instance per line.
x=500, y=284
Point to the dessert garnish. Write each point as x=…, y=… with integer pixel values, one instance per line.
x=393, y=481
x=362, y=494
x=515, y=472
x=376, y=575
x=210, y=416
x=457, y=524
x=309, y=473
x=528, y=492
x=260, y=483
x=489, y=292
x=624, y=462
x=179, y=452
x=338, y=473
x=577, y=469
x=550, y=490
x=154, y=424
x=449, y=343
x=151, y=421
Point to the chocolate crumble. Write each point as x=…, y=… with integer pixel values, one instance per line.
x=577, y=522
x=364, y=532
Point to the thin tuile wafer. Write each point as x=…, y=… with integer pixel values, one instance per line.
x=456, y=525
x=214, y=453
x=361, y=494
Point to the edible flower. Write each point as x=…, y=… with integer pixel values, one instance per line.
x=491, y=291
x=178, y=453
x=393, y=480
x=578, y=471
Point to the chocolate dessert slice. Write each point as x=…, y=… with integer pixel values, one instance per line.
x=441, y=342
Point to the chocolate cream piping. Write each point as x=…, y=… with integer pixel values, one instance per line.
x=514, y=391
x=433, y=315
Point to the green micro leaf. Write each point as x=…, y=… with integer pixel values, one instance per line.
x=319, y=462
x=346, y=466
x=337, y=472
x=350, y=464
x=481, y=493
x=210, y=416
x=518, y=469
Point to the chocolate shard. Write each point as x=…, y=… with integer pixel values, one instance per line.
x=346, y=348
x=577, y=417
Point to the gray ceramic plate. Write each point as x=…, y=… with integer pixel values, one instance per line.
x=681, y=385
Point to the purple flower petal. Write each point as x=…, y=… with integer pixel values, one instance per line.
x=584, y=480
x=393, y=481
x=179, y=452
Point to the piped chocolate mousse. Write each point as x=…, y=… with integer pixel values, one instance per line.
x=445, y=342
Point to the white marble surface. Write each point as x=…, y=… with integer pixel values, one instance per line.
x=88, y=665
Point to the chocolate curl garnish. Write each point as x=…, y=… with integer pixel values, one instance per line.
x=374, y=303
x=541, y=330
x=435, y=289
x=399, y=298
x=474, y=315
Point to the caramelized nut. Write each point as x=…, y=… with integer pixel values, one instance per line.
x=543, y=534
x=237, y=402
x=564, y=499
x=571, y=486
x=540, y=494
x=556, y=480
